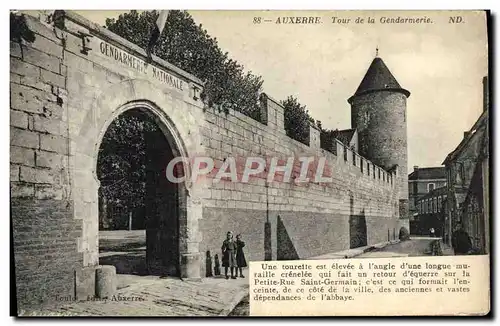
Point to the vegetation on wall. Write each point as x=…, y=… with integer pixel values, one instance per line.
x=189, y=47
x=297, y=124
x=19, y=29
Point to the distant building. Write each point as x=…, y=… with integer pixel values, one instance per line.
x=430, y=211
x=348, y=137
x=421, y=182
x=467, y=171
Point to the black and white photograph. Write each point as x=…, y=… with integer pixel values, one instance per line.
x=157, y=155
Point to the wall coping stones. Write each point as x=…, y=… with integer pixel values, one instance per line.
x=118, y=40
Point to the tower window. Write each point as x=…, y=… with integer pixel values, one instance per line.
x=367, y=118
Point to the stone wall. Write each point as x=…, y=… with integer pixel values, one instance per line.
x=45, y=249
x=64, y=95
x=315, y=216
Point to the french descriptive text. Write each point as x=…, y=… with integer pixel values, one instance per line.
x=339, y=281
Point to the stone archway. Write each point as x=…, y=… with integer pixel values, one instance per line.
x=174, y=117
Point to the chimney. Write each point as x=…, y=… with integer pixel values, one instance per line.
x=466, y=133
x=486, y=93
x=415, y=168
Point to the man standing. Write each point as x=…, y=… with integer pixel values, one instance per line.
x=461, y=241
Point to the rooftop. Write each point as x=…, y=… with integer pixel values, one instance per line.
x=428, y=173
x=344, y=136
x=379, y=77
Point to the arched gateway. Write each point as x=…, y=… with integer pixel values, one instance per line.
x=179, y=130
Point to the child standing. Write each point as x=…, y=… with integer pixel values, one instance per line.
x=229, y=254
x=240, y=256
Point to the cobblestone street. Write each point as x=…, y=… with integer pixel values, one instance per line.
x=159, y=297
x=151, y=295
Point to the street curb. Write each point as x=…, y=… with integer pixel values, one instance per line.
x=352, y=253
x=373, y=247
x=236, y=300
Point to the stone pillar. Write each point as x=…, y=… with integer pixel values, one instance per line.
x=105, y=281
x=272, y=113
x=85, y=285
x=191, y=260
x=314, y=136
x=339, y=150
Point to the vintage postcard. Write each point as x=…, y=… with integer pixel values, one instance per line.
x=249, y=163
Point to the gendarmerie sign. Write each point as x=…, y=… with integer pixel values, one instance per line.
x=140, y=65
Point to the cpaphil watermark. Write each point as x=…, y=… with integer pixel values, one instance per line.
x=302, y=169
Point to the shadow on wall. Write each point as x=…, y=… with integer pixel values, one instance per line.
x=357, y=230
x=285, y=249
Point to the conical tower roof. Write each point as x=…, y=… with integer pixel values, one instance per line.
x=379, y=78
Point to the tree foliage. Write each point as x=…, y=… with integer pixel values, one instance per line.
x=297, y=120
x=122, y=163
x=297, y=124
x=327, y=137
x=19, y=29
x=189, y=47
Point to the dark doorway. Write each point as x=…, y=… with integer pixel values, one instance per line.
x=138, y=205
x=357, y=230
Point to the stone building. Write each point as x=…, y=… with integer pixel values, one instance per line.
x=76, y=78
x=430, y=212
x=378, y=113
x=348, y=137
x=421, y=182
x=467, y=172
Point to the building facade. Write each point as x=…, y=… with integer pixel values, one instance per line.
x=467, y=171
x=421, y=182
x=430, y=212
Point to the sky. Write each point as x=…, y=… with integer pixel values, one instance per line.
x=442, y=64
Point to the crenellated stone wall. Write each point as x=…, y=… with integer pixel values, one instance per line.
x=75, y=79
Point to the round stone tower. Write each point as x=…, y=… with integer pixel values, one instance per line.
x=378, y=112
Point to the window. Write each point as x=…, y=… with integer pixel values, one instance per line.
x=366, y=118
x=430, y=187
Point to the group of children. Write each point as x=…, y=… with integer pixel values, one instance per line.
x=233, y=257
